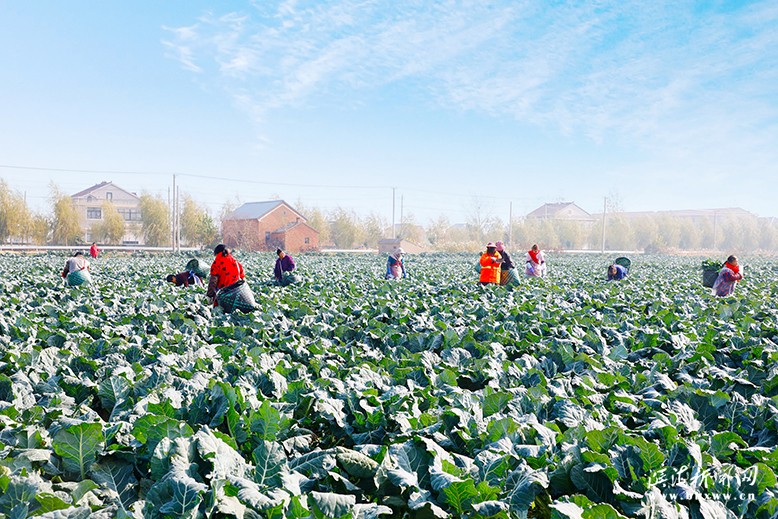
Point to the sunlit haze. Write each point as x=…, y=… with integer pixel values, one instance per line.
x=658, y=105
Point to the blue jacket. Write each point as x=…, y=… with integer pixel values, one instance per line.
x=620, y=274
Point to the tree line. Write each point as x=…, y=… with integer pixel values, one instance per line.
x=345, y=229
x=19, y=224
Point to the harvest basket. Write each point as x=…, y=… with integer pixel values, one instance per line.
x=510, y=278
x=237, y=296
x=199, y=267
x=290, y=278
x=709, y=278
x=710, y=271
x=79, y=277
x=624, y=262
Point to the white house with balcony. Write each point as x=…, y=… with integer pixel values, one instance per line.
x=89, y=205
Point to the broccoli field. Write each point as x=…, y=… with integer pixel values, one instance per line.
x=350, y=396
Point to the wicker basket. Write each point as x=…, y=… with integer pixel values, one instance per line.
x=709, y=277
x=510, y=278
x=199, y=267
x=237, y=296
x=79, y=277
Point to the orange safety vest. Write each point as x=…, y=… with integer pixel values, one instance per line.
x=490, y=269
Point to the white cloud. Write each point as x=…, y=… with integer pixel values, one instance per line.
x=179, y=47
x=682, y=80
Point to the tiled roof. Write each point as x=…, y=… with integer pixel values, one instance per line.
x=256, y=210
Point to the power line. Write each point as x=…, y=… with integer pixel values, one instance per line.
x=71, y=170
x=191, y=175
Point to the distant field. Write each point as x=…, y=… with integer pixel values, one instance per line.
x=351, y=396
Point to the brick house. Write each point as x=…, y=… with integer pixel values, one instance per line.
x=89, y=206
x=267, y=226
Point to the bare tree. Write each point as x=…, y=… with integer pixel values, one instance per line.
x=437, y=231
x=479, y=219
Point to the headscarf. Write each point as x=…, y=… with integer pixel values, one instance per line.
x=398, y=252
x=499, y=246
x=533, y=254
x=733, y=268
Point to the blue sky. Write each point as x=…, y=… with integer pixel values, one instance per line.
x=659, y=105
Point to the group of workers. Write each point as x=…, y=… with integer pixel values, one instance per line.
x=496, y=264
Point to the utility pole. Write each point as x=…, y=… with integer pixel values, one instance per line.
x=178, y=219
x=172, y=204
x=402, y=223
x=394, y=232
x=604, y=208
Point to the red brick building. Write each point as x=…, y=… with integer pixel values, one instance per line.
x=269, y=225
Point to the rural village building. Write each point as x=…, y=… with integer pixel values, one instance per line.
x=388, y=245
x=696, y=216
x=561, y=211
x=267, y=226
x=89, y=206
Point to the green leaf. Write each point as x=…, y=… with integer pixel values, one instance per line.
x=495, y=402
x=724, y=444
x=758, y=478
x=330, y=505
x=151, y=429
x=523, y=484
x=50, y=503
x=78, y=446
x=119, y=478
x=356, y=463
x=602, y=511
x=313, y=464
x=266, y=422
x=83, y=488
x=269, y=459
x=460, y=494
x=596, y=485
x=187, y=496
x=113, y=393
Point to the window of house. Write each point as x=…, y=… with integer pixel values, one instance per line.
x=129, y=215
x=267, y=237
x=307, y=240
x=94, y=213
x=109, y=195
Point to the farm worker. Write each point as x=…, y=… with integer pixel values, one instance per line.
x=74, y=264
x=729, y=274
x=93, y=250
x=535, y=262
x=284, y=263
x=395, y=264
x=225, y=270
x=506, y=264
x=616, y=272
x=490, y=265
x=185, y=279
